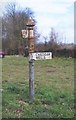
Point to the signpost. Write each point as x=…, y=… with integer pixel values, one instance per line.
x=29, y=33
x=30, y=26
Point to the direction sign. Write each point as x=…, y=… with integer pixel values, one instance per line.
x=24, y=33
x=40, y=56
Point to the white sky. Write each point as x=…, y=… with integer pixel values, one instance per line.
x=58, y=14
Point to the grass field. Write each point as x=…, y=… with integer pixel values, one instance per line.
x=54, y=88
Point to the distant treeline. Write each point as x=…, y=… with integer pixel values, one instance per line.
x=58, y=50
x=64, y=53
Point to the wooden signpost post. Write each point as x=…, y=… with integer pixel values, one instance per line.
x=30, y=25
x=29, y=33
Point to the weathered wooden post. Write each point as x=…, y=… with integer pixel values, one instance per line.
x=29, y=33
x=30, y=25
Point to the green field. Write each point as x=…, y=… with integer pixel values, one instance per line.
x=54, y=88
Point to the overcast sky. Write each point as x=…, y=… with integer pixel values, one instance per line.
x=58, y=14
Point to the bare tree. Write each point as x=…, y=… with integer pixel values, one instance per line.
x=53, y=40
x=14, y=20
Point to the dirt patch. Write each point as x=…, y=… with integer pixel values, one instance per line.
x=49, y=71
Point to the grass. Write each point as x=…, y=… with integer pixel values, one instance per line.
x=54, y=88
x=0, y=88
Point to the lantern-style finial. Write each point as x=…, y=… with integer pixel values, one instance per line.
x=30, y=22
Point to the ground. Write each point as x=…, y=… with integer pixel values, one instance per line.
x=54, y=88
